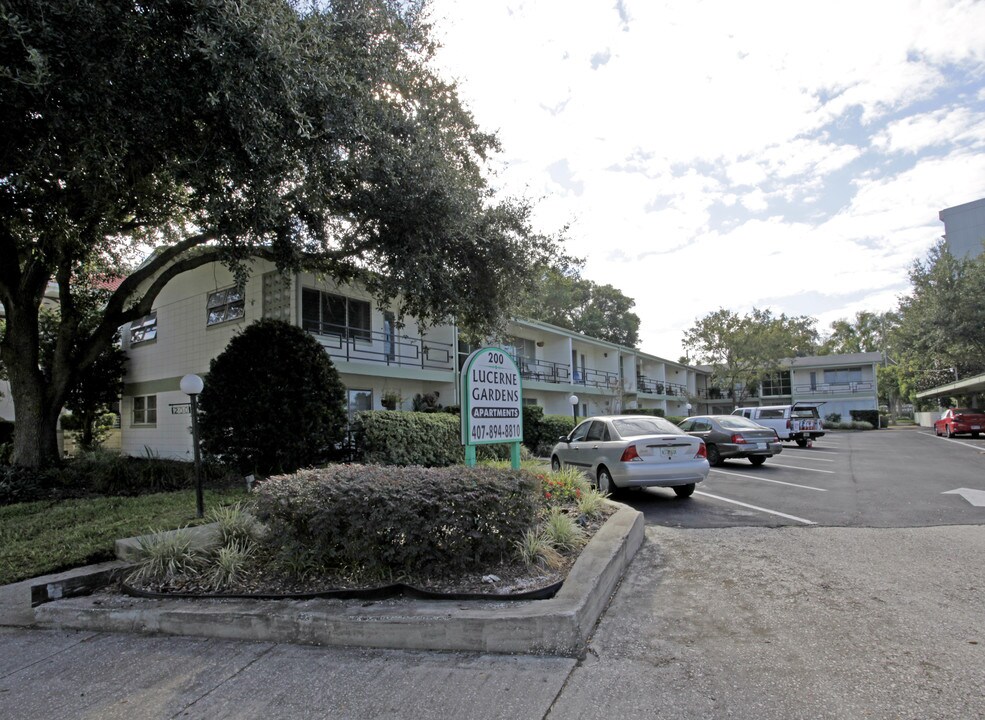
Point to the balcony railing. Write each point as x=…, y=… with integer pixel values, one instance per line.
x=659, y=387
x=543, y=370
x=387, y=348
x=849, y=388
x=596, y=378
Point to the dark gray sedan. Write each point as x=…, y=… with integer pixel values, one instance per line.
x=733, y=436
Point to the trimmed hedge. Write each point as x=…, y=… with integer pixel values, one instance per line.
x=395, y=437
x=655, y=412
x=103, y=473
x=869, y=416
x=389, y=522
x=551, y=428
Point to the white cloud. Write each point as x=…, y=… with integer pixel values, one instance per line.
x=725, y=154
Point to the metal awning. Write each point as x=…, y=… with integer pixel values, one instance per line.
x=974, y=384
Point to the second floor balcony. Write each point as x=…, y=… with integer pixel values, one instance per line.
x=659, y=387
x=398, y=349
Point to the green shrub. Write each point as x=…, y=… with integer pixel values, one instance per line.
x=562, y=531
x=655, y=412
x=535, y=549
x=104, y=473
x=552, y=427
x=869, y=416
x=22, y=484
x=676, y=419
x=563, y=486
x=385, y=437
x=6, y=431
x=500, y=451
x=395, y=521
x=832, y=418
x=273, y=401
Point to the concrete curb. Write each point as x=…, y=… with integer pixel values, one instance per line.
x=559, y=626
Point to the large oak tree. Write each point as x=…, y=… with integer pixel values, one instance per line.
x=315, y=134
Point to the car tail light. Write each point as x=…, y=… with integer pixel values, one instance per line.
x=739, y=440
x=630, y=454
x=702, y=451
x=789, y=424
x=776, y=435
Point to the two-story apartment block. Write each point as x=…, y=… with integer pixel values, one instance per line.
x=842, y=382
x=385, y=363
x=379, y=361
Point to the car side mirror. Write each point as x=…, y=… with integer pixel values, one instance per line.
x=564, y=439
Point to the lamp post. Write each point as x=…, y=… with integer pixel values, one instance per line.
x=192, y=385
x=573, y=399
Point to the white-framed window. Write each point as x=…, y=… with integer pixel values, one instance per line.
x=145, y=410
x=777, y=383
x=328, y=314
x=521, y=347
x=225, y=305
x=843, y=376
x=144, y=329
x=359, y=400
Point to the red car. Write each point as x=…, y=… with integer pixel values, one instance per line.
x=960, y=420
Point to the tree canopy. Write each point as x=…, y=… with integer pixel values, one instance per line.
x=744, y=349
x=562, y=297
x=866, y=333
x=314, y=134
x=940, y=335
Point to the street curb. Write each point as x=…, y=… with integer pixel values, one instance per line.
x=558, y=626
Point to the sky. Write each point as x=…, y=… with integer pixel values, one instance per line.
x=722, y=154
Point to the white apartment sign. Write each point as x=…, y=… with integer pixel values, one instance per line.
x=492, y=402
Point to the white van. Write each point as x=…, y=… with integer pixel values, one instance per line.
x=799, y=422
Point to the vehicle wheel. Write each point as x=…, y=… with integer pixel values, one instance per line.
x=801, y=442
x=555, y=463
x=714, y=457
x=684, y=491
x=974, y=435
x=757, y=459
x=947, y=432
x=605, y=484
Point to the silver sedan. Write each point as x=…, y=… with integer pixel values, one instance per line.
x=633, y=451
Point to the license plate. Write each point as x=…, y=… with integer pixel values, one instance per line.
x=976, y=427
x=760, y=446
x=668, y=452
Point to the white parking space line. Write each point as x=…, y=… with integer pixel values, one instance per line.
x=778, y=482
x=786, y=453
x=952, y=440
x=795, y=467
x=756, y=507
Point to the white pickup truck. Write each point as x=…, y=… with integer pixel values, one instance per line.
x=800, y=422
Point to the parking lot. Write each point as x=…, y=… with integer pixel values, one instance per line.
x=889, y=478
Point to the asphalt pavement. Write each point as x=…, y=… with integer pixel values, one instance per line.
x=749, y=621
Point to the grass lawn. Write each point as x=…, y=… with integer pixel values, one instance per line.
x=44, y=537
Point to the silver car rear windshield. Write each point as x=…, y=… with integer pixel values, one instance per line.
x=645, y=426
x=737, y=423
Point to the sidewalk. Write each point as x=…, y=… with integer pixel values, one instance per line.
x=738, y=623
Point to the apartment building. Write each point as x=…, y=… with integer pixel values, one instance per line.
x=842, y=382
x=380, y=362
x=964, y=228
